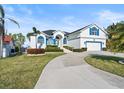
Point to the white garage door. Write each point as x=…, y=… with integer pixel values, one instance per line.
x=92, y=46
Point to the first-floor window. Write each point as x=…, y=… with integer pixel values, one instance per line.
x=65, y=41
x=40, y=39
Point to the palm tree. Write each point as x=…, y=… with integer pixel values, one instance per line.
x=34, y=33
x=2, y=31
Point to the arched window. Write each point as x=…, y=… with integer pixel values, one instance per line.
x=40, y=39
x=94, y=31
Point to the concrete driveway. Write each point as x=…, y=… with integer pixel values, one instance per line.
x=70, y=71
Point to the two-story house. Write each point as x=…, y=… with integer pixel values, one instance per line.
x=91, y=37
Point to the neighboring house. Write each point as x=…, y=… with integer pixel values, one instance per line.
x=8, y=46
x=91, y=37
x=48, y=37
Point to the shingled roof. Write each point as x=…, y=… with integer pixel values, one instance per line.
x=50, y=32
x=79, y=29
x=7, y=38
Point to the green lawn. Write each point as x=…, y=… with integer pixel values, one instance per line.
x=106, y=63
x=22, y=71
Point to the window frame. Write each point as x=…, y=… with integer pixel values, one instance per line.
x=94, y=31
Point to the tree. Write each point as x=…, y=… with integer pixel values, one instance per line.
x=115, y=42
x=34, y=33
x=19, y=40
x=2, y=30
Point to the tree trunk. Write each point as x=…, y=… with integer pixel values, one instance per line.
x=1, y=46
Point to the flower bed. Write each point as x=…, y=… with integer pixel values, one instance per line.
x=35, y=51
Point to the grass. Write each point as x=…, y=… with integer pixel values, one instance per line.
x=106, y=63
x=22, y=71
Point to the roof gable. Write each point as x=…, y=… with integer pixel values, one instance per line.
x=82, y=29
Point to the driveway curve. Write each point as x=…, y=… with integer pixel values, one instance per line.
x=70, y=71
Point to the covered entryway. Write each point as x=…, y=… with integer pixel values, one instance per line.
x=58, y=37
x=58, y=40
x=41, y=41
x=94, y=46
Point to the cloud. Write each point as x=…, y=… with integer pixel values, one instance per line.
x=68, y=20
x=25, y=9
x=107, y=17
x=9, y=9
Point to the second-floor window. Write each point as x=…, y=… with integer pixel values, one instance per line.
x=94, y=31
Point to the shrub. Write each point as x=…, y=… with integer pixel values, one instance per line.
x=104, y=49
x=53, y=48
x=84, y=49
x=16, y=49
x=35, y=51
x=68, y=47
x=79, y=50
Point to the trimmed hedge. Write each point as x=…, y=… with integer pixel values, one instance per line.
x=80, y=50
x=53, y=48
x=68, y=47
x=104, y=49
x=35, y=51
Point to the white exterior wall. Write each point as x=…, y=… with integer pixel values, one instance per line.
x=74, y=40
x=32, y=41
x=74, y=43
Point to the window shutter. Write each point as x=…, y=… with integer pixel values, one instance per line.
x=90, y=31
x=98, y=32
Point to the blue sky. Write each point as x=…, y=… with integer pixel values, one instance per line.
x=64, y=17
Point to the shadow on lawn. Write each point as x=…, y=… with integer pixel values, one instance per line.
x=104, y=57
